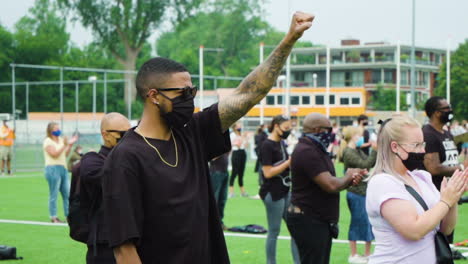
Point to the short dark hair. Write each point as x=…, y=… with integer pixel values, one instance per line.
x=279, y=119
x=432, y=104
x=155, y=72
x=362, y=117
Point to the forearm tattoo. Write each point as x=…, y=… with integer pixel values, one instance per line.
x=254, y=87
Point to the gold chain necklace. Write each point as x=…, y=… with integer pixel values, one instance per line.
x=159, y=154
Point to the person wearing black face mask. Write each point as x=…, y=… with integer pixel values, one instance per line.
x=157, y=196
x=313, y=214
x=239, y=143
x=441, y=157
x=275, y=188
x=113, y=128
x=404, y=230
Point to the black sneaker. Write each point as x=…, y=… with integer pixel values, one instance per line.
x=457, y=255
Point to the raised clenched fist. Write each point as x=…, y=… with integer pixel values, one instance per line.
x=300, y=23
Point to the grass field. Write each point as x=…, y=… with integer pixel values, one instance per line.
x=24, y=197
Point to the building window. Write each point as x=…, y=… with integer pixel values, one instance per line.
x=357, y=78
x=344, y=101
x=270, y=100
x=294, y=100
x=279, y=100
x=404, y=77
x=299, y=76
x=355, y=100
x=376, y=76
x=332, y=99
x=319, y=100
x=306, y=100
x=388, y=76
x=338, y=79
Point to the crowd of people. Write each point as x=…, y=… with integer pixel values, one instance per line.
x=150, y=196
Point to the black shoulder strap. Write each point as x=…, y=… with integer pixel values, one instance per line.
x=416, y=196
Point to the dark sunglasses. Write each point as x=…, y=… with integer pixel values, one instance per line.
x=444, y=108
x=121, y=132
x=186, y=91
x=329, y=129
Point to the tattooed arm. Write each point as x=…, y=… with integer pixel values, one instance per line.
x=259, y=82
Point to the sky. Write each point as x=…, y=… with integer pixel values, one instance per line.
x=438, y=23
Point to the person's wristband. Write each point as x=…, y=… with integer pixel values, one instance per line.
x=449, y=207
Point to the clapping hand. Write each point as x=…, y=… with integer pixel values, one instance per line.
x=356, y=175
x=451, y=190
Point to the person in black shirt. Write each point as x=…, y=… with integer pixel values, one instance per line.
x=113, y=127
x=259, y=138
x=158, y=200
x=219, y=180
x=274, y=190
x=314, y=210
x=441, y=158
x=363, y=122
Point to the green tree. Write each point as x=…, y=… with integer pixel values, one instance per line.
x=123, y=26
x=384, y=99
x=458, y=81
x=6, y=57
x=40, y=37
x=234, y=26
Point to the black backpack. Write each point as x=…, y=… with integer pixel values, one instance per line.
x=78, y=220
x=7, y=252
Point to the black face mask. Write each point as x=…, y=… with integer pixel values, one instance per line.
x=285, y=134
x=415, y=160
x=324, y=138
x=182, y=111
x=446, y=116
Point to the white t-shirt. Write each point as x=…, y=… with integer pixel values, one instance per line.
x=49, y=160
x=391, y=246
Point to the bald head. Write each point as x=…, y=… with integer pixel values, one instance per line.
x=113, y=125
x=114, y=121
x=313, y=122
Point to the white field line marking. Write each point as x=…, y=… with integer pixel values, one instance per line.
x=7, y=221
x=23, y=222
x=21, y=176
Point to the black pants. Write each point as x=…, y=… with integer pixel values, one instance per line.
x=105, y=255
x=312, y=236
x=238, y=159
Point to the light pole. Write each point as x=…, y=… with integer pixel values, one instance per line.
x=314, y=76
x=200, y=59
x=281, y=81
x=93, y=79
x=413, y=73
x=447, y=75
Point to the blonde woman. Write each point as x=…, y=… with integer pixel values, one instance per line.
x=404, y=231
x=55, y=150
x=354, y=157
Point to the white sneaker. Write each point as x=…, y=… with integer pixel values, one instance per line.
x=231, y=195
x=356, y=259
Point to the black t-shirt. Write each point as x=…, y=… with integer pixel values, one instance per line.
x=169, y=213
x=259, y=139
x=91, y=193
x=307, y=161
x=366, y=136
x=220, y=164
x=443, y=144
x=272, y=153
